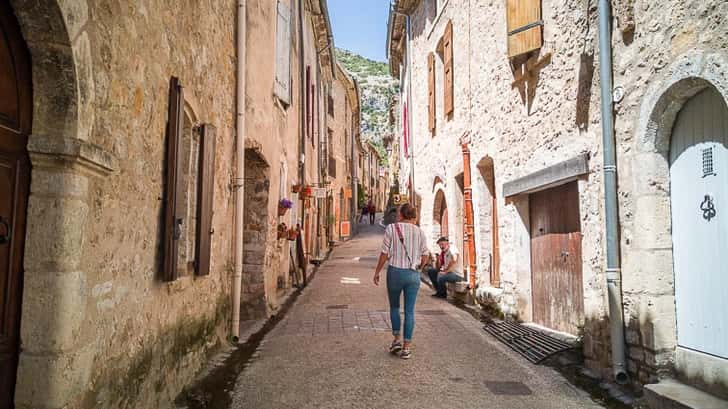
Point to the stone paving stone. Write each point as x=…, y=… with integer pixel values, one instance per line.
x=318, y=357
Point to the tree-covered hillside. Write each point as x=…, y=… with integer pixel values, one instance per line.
x=377, y=88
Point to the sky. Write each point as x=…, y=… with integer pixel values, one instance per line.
x=360, y=26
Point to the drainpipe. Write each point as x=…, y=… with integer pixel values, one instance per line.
x=239, y=182
x=613, y=270
x=410, y=134
x=302, y=134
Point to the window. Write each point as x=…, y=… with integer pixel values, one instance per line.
x=283, y=54
x=525, y=26
x=188, y=191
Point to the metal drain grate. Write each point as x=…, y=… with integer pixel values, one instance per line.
x=532, y=344
x=337, y=307
x=507, y=388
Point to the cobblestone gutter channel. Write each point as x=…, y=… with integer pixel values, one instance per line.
x=213, y=389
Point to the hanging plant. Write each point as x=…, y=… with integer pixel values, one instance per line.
x=283, y=206
x=307, y=191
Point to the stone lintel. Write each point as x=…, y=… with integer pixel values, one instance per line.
x=71, y=153
x=551, y=176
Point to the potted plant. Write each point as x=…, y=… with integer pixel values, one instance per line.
x=292, y=233
x=282, y=231
x=307, y=191
x=283, y=206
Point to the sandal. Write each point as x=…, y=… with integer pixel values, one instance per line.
x=405, y=354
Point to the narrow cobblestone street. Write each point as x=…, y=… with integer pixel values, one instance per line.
x=330, y=351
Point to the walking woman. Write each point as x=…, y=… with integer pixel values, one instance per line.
x=405, y=246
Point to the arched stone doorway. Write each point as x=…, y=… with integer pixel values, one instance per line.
x=439, y=212
x=698, y=191
x=15, y=125
x=653, y=271
x=489, y=253
x=55, y=362
x=255, y=235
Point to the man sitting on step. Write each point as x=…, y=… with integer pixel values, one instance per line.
x=444, y=271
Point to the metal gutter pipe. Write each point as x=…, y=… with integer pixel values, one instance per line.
x=613, y=270
x=409, y=117
x=302, y=131
x=239, y=182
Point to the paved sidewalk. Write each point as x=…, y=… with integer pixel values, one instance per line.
x=330, y=351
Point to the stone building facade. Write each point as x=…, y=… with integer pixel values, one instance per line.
x=342, y=129
x=528, y=127
x=100, y=90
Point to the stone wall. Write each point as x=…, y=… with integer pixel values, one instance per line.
x=99, y=328
x=554, y=115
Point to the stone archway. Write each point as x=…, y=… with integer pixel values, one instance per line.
x=488, y=219
x=255, y=235
x=54, y=366
x=647, y=233
x=440, y=221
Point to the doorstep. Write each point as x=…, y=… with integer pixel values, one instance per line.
x=671, y=394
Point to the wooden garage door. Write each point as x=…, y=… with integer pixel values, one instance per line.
x=15, y=120
x=558, y=301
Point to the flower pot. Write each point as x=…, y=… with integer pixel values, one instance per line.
x=282, y=231
x=292, y=234
x=282, y=210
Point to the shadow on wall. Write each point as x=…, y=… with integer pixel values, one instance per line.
x=526, y=71
x=584, y=92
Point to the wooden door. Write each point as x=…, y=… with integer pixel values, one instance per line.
x=558, y=301
x=15, y=121
x=699, y=200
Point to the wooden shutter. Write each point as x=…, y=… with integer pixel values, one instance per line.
x=283, y=54
x=205, y=194
x=525, y=27
x=430, y=91
x=314, y=118
x=448, y=69
x=309, y=116
x=172, y=219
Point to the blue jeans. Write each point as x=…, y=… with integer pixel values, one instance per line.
x=408, y=281
x=439, y=281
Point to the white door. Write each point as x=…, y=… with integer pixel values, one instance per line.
x=699, y=198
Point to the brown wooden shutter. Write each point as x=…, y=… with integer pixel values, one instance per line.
x=309, y=117
x=525, y=27
x=431, y=90
x=205, y=194
x=172, y=219
x=448, y=69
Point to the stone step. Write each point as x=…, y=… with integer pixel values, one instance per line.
x=671, y=394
